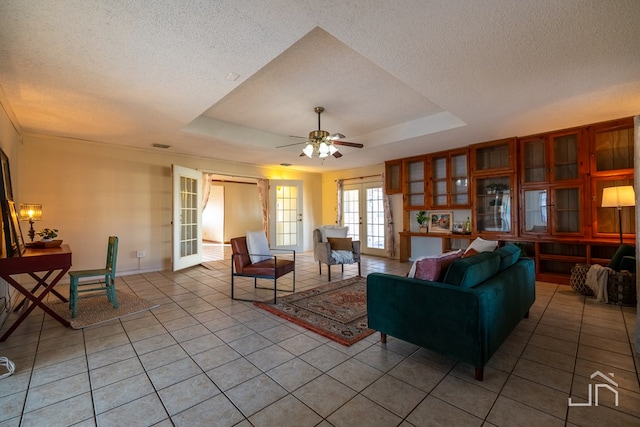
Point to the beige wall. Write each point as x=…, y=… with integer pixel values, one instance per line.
x=242, y=210
x=90, y=191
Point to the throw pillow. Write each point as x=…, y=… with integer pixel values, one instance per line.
x=434, y=268
x=509, y=255
x=481, y=245
x=469, y=252
x=257, y=246
x=333, y=231
x=340, y=243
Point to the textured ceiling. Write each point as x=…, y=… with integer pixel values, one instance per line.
x=403, y=78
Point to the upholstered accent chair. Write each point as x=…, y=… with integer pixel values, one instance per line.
x=326, y=240
x=260, y=265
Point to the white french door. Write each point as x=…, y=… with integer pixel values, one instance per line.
x=187, y=217
x=363, y=213
x=285, y=211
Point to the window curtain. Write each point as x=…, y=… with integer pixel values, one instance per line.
x=206, y=189
x=340, y=186
x=263, y=195
x=390, y=238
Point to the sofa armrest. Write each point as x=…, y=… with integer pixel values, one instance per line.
x=444, y=318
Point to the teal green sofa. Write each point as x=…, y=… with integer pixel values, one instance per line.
x=466, y=317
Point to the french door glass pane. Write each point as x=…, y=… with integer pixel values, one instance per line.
x=375, y=218
x=351, y=213
x=189, y=216
x=286, y=215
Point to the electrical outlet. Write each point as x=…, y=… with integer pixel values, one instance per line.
x=141, y=254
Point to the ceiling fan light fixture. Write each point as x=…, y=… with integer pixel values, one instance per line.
x=332, y=149
x=323, y=148
x=308, y=151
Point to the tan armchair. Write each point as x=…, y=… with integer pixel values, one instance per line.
x=322, y=252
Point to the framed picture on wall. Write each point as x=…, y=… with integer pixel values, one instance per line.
x=6, y=193
x=440, y=222
x=14, y=242
x=11, y=232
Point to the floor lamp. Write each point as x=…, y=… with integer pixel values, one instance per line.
x=617, y=197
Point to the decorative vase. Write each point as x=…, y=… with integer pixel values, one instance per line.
x=423, y=229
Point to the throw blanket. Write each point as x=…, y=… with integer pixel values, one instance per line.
x=597, y=278
x=342, y=257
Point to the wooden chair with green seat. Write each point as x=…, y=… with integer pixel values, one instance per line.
x=102, y=279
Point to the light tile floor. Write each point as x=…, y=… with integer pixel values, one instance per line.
x=202, y=359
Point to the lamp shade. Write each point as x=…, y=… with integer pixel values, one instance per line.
x=30, y=212
x=615, y=197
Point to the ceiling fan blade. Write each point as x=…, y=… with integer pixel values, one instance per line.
x=337, y=155
x=348, y=144
x=296, y=136
x=290, y=145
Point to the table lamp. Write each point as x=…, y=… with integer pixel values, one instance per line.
x=30, y=212
x=617, y=197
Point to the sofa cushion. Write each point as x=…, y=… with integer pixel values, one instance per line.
x=623, y=251
x=434, y=267
x=509, y=255
x=481, y=245
x=471, y=271
x=340, y=243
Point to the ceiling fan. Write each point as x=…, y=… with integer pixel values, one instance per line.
x=321, y=143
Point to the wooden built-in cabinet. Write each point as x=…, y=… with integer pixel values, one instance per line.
x=414, y=188
x=542, y=192
x=393, y=176
x=493, y=188
x=449, y=180
x=553, y=169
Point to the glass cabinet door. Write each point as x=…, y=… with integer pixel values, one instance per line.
x=459, y=180
x=564, y=152
x=414, y=182
x=606, y=222
x=493, y=156
x=439, y=181
x=534, y=160
x=493, y=204
x=535, y=211
x=613, y=148
x=566, y=215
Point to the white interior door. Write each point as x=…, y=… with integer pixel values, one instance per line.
x=285, y=211
x=187, y=217
x=363, y=213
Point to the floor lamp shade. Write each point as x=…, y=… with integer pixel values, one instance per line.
x=618, y=197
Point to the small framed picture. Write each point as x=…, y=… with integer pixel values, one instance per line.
x=440, y=222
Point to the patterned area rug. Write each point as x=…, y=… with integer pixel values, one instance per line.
x=337, y=310
x=95, y=309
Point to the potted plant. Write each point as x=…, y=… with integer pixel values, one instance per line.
x=422, y=219
x=48, y=234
